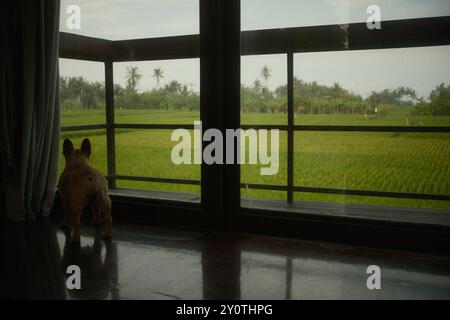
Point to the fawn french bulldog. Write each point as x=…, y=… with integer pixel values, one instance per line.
x=80, y=186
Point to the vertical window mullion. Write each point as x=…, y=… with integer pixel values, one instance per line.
x=110, y=128
x=220, y=101
x=290, y=133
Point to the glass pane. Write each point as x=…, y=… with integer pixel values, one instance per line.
x=147, y=153
x=98, y=158
x=157, y=92
x=269, y=14
x=121, y=20
x=395, y=87
x=82, y=92
x=253, y=174
x=392, y=162
x=263, y=99
x=263, y=104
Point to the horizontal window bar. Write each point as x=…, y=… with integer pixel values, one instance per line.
x=371, y=128
x=161, y=48
x=161, y=180
x=83, y=128
x=352, y=128
x=386, y=194
x=269, y=127
x=154, y=126
x=263, y=187
x=300, y=189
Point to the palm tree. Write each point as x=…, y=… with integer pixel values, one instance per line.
x=174, y=86
x=158, y=73
x=337, y=91
x=266, y=73
x=257, y=85
x=133, y=77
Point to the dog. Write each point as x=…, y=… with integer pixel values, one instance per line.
x=80, y=186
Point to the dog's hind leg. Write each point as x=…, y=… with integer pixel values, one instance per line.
x=104, y=203
x=96, y=215
x=75, y=216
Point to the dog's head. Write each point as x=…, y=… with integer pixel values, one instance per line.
x=74, y=156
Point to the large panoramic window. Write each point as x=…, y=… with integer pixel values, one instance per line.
x=357, y=127
x=335, y=126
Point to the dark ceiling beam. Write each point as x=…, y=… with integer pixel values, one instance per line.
x=356, y=36
x=73, y=46
x=166, y=48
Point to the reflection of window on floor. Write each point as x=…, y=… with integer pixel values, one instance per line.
x=273, y=276
x=264, y=274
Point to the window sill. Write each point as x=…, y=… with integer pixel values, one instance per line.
x=367, y=212
x=183, y=197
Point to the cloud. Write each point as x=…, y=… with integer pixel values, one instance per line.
x=131, y=19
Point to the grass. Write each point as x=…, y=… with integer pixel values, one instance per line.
x=398, y=162
x=144, y=116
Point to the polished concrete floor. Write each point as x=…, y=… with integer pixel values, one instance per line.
x=153, y=263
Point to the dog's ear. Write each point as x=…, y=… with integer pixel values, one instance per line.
x=67, y=148
x=86, y=147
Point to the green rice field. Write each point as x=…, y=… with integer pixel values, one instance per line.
x=397, y=162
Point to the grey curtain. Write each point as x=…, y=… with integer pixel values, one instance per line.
x=29, y=106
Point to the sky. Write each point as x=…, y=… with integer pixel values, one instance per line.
x=359, y=71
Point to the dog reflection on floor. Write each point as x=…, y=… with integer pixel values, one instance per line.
x=98, y=272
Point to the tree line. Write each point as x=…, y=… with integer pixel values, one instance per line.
x=439, y=102
x=309, y=97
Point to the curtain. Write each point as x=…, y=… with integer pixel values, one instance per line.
x=10, y=68
x=29, y=107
